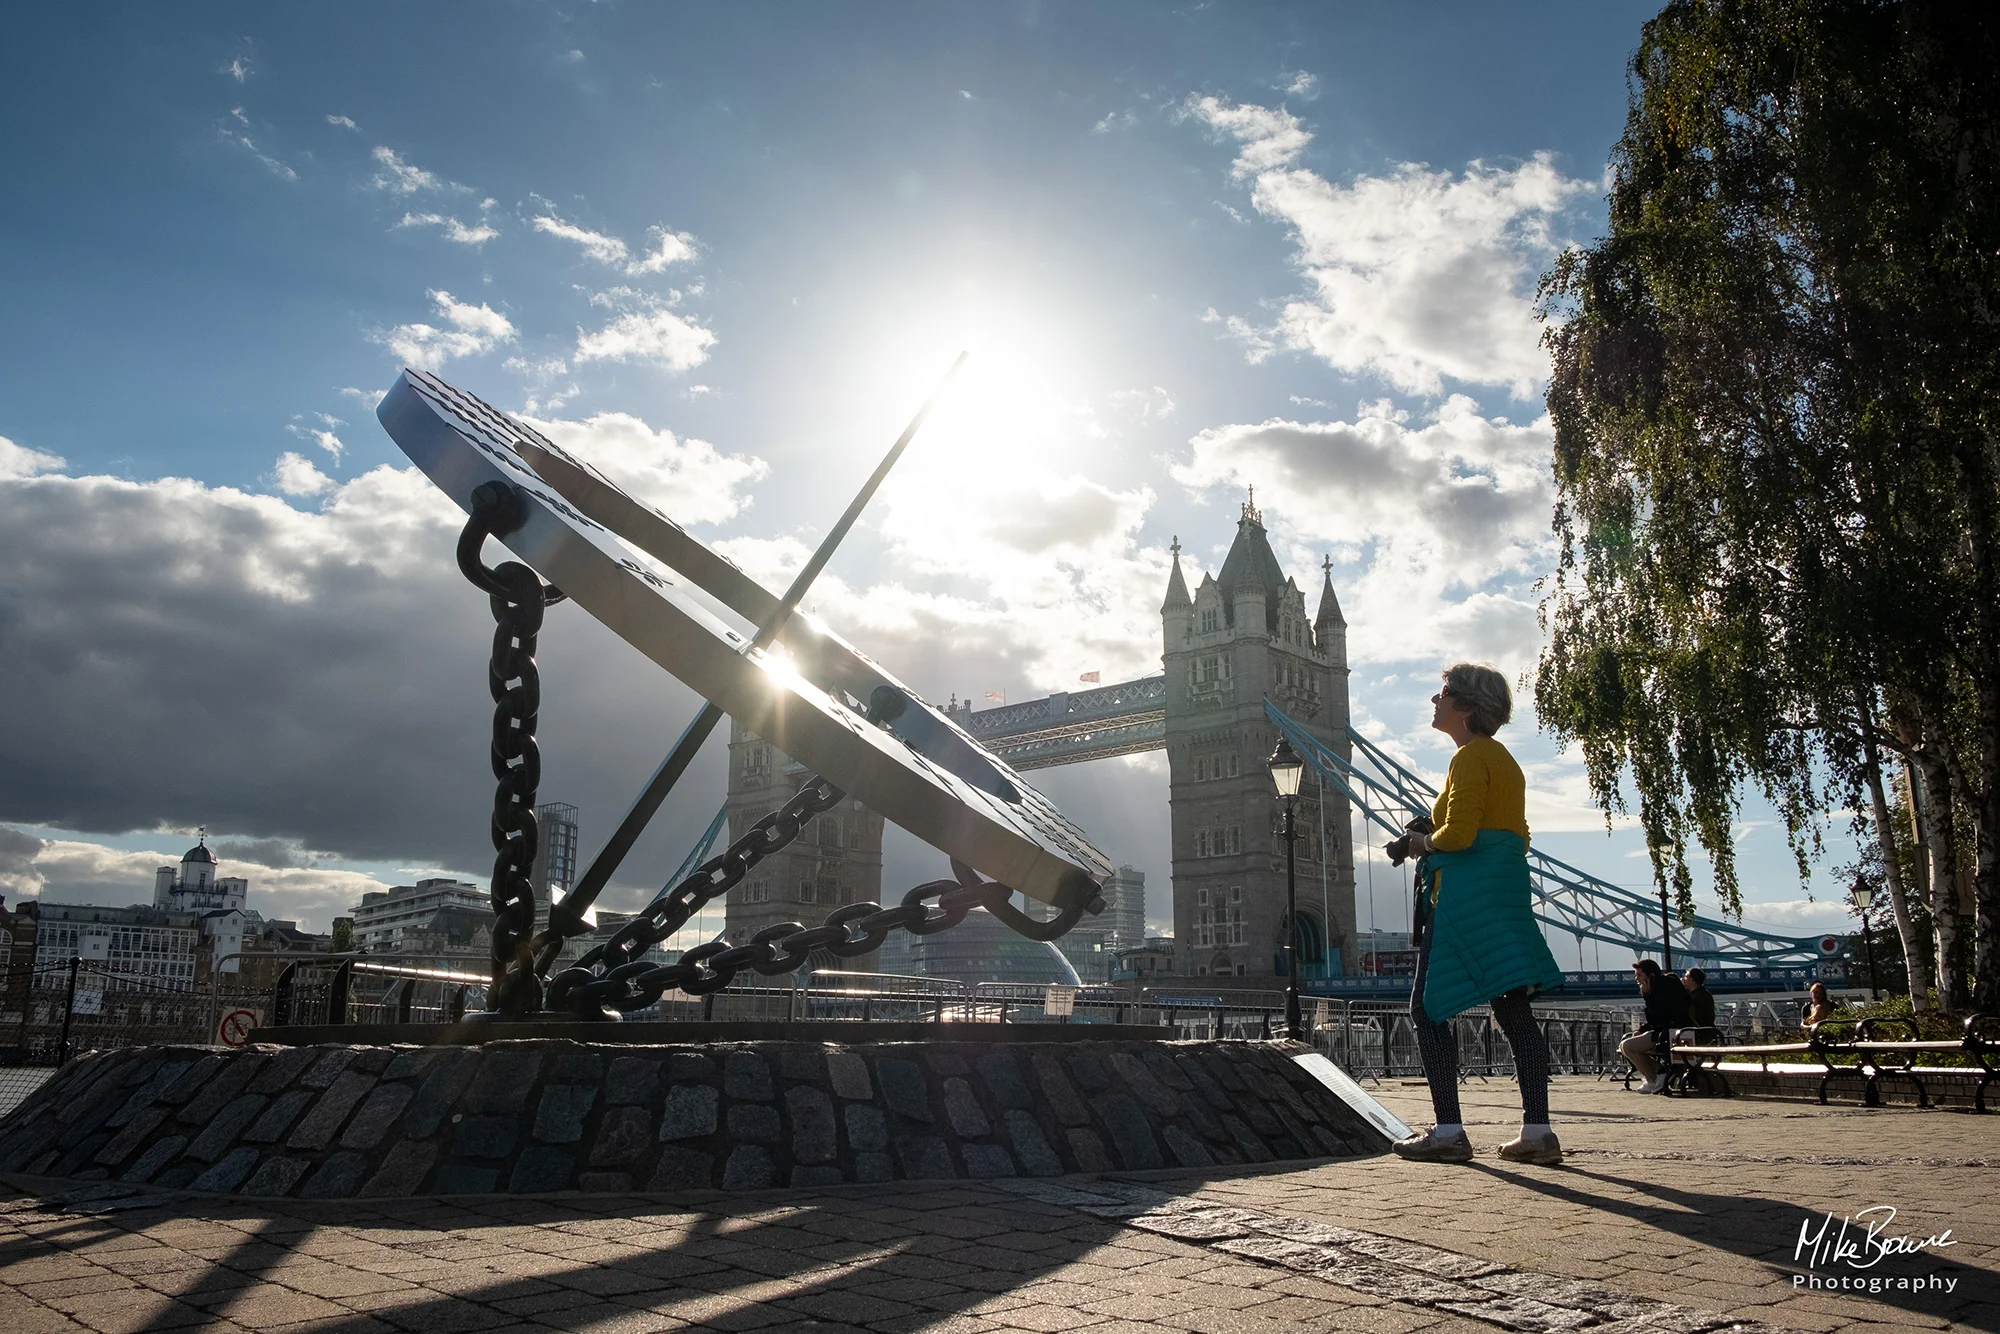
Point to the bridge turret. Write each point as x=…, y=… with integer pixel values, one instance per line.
x=1177, y=609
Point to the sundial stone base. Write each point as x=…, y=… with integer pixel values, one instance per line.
x=540, y=1114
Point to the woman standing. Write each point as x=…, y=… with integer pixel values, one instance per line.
x=1479, y=941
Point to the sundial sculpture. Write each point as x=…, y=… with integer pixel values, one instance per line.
x=810, y=693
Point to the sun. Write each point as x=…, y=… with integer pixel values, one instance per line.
x=1020, y=404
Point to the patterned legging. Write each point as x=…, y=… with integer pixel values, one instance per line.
x=1439, y=1046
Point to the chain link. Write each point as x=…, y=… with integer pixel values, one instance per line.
x=613, y=978
x=519, y=598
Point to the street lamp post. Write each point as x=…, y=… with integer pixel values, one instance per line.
x=1287, y=769
x=1864, y=894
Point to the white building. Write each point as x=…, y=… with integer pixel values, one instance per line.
x=220, y=903
x=136, y=942
x=384, y=919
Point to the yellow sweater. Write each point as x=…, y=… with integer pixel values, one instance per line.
x=1483, y=789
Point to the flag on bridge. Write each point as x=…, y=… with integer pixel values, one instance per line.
x=997, y=696
x=1088, y=676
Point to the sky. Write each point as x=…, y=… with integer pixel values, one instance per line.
x=725, y=252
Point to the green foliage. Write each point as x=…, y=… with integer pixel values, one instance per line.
x=343, y=935
x=1774, y=388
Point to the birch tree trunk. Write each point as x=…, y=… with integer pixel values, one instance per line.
x=1919, y=974
x=1932, y=791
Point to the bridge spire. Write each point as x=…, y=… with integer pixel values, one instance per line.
x=1177, y=589
x=1329, y=606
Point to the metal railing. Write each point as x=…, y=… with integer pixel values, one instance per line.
x=373, y=989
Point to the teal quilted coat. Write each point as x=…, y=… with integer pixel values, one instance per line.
x=1485, y=940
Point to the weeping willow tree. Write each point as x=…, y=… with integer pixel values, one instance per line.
x=1776, y=396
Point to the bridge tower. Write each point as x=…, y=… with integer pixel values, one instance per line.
x=1242, y=635
x=836, y=860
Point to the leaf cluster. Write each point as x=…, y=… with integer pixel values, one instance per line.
x=1765, y=381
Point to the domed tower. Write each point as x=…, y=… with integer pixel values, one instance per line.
x=197, y=868
x=1242, y=636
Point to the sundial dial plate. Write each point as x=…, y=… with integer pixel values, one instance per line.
x=917, y=776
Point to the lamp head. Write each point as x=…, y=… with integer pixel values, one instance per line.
x=1864, y=894
x=1287, y=769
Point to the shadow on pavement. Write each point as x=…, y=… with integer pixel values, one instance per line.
x=1707, y=1219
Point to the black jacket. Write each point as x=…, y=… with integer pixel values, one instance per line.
x=1666, y=1006
x=1701, y=1008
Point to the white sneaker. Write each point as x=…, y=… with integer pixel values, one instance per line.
x=1653, y=1085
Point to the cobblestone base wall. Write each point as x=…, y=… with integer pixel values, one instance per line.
x=336, y=1121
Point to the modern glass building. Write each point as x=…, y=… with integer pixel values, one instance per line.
x=982, y=948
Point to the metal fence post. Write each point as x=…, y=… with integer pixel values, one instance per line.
x=69, y=1010
x=336, y=994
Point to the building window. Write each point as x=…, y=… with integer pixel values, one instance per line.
x=1236, y=893
x=1210, y=621
x=1201, y=897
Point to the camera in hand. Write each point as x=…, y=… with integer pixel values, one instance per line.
x=1399, y=850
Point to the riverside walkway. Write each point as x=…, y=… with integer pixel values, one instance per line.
x=1672, y=1215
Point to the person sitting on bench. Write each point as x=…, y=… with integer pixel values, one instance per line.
x=1666, y=1010
x=1701, y=1006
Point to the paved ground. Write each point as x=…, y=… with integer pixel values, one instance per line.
x=1671, y=1215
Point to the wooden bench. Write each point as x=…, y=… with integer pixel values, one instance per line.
x=1874, y=1057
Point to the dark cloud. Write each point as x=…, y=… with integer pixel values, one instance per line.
x=317, y=680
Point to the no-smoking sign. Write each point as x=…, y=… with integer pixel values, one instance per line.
x=236, y=1026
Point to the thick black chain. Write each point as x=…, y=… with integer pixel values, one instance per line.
x=612, y=978
x=519, y=598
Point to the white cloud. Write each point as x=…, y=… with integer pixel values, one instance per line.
x=472, y=331
x=1115, y=120
x=343, y=122
x=76, y=871
x=689, y=479
x=1267, y=139
x=1303, y=85
x=1144, y=405
x=649, y=334
x=1256, y=343
x=453, y=229
x=1449, y=519
x=401, y=177
x=673, y=248
x=604, y=249
x=1416, y=276
x=329, y=442
x=18, y=461
x=295, y=475
x=239, y=68
x=249, y=145
x=371, y=397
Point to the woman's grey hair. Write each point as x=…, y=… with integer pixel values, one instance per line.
x=1483, y=691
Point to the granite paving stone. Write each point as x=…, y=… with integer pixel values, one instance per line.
x=332, y=1063
x=684, y=1067
x=903, y=1087
x=271, y=1125
x=560, y=1112
x=622, y=1137
x=384, y=1105
x=632, y=1080
x=963, y=1111
x=848, y=1073
x=814, y=1137
x=441, y=1088
x=503, y=1081
x=322, y=1122
x=222, y=1128
x=690, y=1112
x=219, y=1092
x=747, y=1075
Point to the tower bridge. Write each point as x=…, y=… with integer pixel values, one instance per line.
x=1242, y=663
